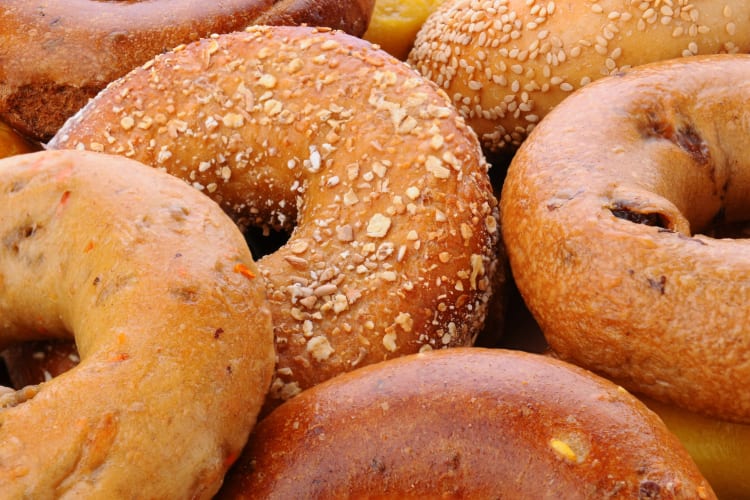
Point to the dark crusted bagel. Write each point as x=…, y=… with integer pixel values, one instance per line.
x=56, y=55
x=465, y=423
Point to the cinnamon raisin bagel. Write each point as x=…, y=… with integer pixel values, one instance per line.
x=158, y=289
x=467, y=423
x=56, y=55
x=393, y=220
x=607, y=213
x=507, y=63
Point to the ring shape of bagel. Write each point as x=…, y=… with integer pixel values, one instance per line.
x=395, y=244
x=57, y=55
x=608, y=211
x=157, y=286
x=468, y=423
x=507, y=63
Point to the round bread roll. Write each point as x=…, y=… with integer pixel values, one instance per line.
x=465, y=422
x=159, y=290
x=507, y=63
x=607, y=212
x=393, y=220
x=56, y=55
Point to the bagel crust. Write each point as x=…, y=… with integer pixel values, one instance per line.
x=607, y=213
x=507, y=63
x=56, y=55
x=156, y=285
x=465, y=423
x=395, y=238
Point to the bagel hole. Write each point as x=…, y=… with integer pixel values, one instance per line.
x=264, y=241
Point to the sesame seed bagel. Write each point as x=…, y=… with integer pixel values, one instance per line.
x=608, y=210
x=507, y=63
x=394, y=241
x=157, y=287
x=465, y=423
x=57, y=54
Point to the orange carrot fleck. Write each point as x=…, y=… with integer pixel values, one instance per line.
x=89, y=247
x=244, y=271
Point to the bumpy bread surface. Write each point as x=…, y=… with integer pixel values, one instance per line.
x=395, y=243
x=56, y=55
x=605, y=210
x=155, y=283
x=507, y=63
x=465, y=423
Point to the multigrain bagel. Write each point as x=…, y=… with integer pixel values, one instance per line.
x=158, y=288
x=507, y=63
x=606, y=210
x=56, y=55
x=394, y=241
x=468, y=423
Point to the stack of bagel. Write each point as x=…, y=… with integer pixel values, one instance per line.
x=256, y=250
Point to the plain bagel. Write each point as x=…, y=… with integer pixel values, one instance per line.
x=606, y=210
x=158, y=288
x=394, y=236
x=465, y=423
x=56, y=55
x=507, y=63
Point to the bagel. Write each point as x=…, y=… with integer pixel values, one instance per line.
x=607, y=210
x=395, y=236
x=469, y=423
x=11, y=143
x=56, y=55
x=394, y=24
x=158, y=289
x=507, y=63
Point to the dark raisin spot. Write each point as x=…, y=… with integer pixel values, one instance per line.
x=649, y=490
x=658, y=284
x=690, y=141
x=649, y=219
x=13, y=239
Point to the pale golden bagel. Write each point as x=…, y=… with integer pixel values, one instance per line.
x=605, y=211
x=394, y=241
x=465, y=423
x=55, y=55
x=507, y=63
x=158, y=289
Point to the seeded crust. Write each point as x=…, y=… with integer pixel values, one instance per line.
x=607, y=210
x=465, y=423
x=57, y=55
x=156, y=285
x=395, y=235
x=507, y=63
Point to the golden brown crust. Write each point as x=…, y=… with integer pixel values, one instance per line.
x=605, y=210
x=468, y=423
x=56, y=55
x=395, y=244
x=507, y=63
x=12, y=143
x=155, y=284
